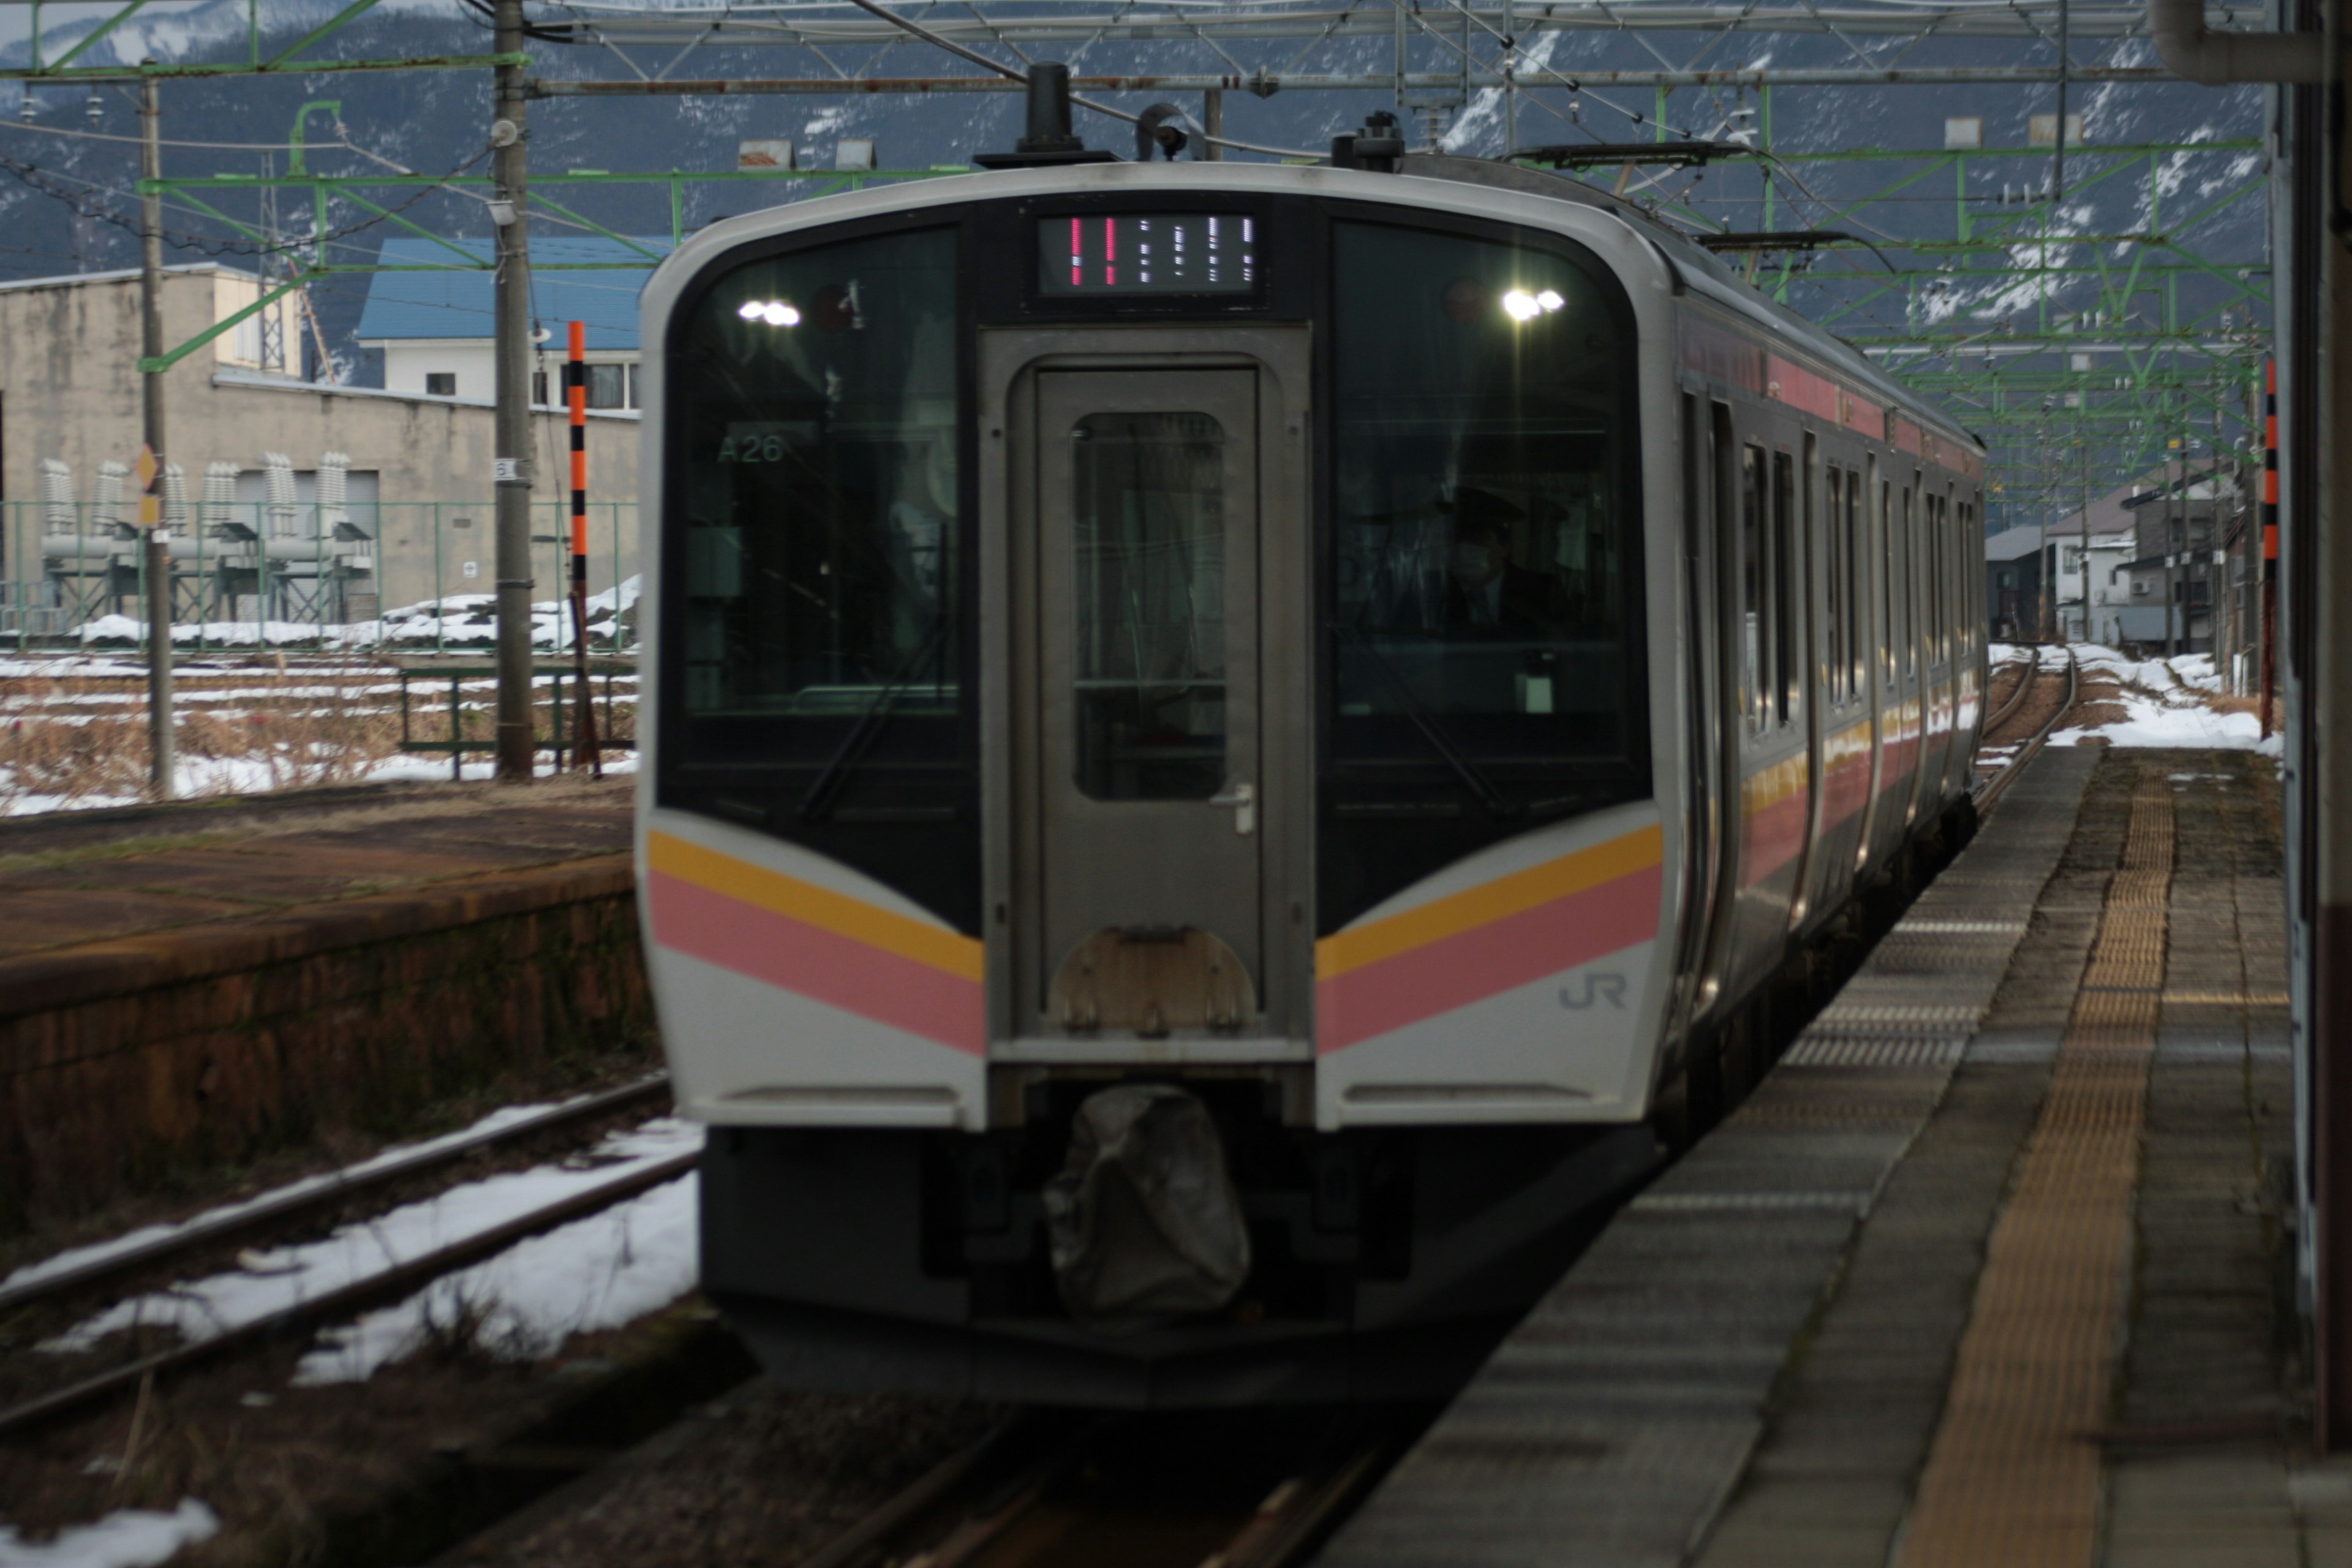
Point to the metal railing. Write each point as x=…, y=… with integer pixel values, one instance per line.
x=427, y=708
x=401, y=576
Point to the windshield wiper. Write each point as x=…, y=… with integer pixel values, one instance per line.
x=1493, y=799
x=817, y=802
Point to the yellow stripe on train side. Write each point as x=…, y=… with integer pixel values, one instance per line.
x=941, y=948
x=1489, y=902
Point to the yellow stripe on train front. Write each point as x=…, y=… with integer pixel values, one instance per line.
x=1489, y=902
x=951, y=952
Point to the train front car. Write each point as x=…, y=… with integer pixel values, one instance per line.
x=1160, y=686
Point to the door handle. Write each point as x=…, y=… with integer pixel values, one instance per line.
x=1243, y=798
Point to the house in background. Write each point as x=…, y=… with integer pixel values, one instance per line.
x=434, y=318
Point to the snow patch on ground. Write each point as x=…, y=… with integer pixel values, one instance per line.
x=586, y=1277
x=248, y=776
x=2164, y=705
x=599, y=1272
x=462, y=620
x=135, y=1538
x=76, y=1257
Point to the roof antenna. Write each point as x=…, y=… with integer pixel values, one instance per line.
x=1049, y=140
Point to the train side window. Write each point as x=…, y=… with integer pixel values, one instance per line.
x=1939, y=616
x=1908, y=597
x=1856, y=667
x=1755, y=690
x=1886, y=578
x=1786, y=667
x=1834, y=586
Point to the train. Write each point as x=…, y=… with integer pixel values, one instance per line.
x=1232, y=748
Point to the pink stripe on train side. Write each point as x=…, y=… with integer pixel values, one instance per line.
x=1486, y=960
x=839, y=971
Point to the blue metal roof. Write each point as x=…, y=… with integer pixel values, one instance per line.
x=454, y=300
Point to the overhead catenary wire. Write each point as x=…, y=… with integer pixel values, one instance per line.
x=976, y=57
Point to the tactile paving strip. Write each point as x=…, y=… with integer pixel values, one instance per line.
x=2009, y=1480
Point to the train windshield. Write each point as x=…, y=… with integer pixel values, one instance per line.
x=1481, y=526
x=816, y=436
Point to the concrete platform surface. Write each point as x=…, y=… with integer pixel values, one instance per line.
x=1991, y=1269
x=77, y=877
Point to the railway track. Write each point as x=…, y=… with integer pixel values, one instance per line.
x=307, y=1201
x=1990, y=787
x=1225, y=1490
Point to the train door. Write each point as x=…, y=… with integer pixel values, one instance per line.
x=1155, y=535
x=1713, y=478
x=1936, y=658
x=1774, y=763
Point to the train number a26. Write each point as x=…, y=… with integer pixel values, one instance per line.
x=1595, y=988
x=753, y=446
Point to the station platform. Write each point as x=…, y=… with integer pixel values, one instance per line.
x=183, y=985
x=1994, y=1270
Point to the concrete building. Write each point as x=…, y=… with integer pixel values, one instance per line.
x=2013, y=580
x=2020, y=561
x=414, y=520
x=2179, y=559
x=432, y=319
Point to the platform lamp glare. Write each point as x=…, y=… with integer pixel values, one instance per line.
x=1522, y=306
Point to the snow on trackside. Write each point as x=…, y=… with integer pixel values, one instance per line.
x=460, y=620
x=2164, y=703
x=599, y=1272
x=78, y=1256
x=574, y=1277
x=135, y=1538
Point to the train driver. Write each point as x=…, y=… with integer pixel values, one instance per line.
x=1485, y=588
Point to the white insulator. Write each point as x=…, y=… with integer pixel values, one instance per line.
x=219, y=498
x=278, y=472
x=61, y=516
x=106, y=496
x=219, y=503
x=176, y=511
x=334, y=488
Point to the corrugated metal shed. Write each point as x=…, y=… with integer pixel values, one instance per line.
x=453, y=301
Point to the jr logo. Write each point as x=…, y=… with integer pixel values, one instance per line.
x=1596, y=987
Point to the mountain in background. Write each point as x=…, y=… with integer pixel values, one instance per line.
x=67, y=203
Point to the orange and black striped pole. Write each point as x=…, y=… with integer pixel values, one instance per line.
x=575, y=388
x=2270, y=519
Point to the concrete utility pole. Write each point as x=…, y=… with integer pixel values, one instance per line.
x=517, y=746
x=162, y=751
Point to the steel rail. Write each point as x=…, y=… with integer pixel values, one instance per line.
x=2032, y=673
x=1989, y=795
x=983, y=1503
x=323, y=1193
x=357, y=1296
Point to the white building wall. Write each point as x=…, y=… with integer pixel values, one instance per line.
x=408, y=361
x=406, y=364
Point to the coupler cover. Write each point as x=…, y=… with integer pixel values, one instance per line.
x=1143, y=1219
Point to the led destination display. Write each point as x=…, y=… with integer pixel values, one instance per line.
x=1147, y=253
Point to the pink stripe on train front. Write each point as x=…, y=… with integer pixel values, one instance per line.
x=1472, y=965
x=796, y=956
